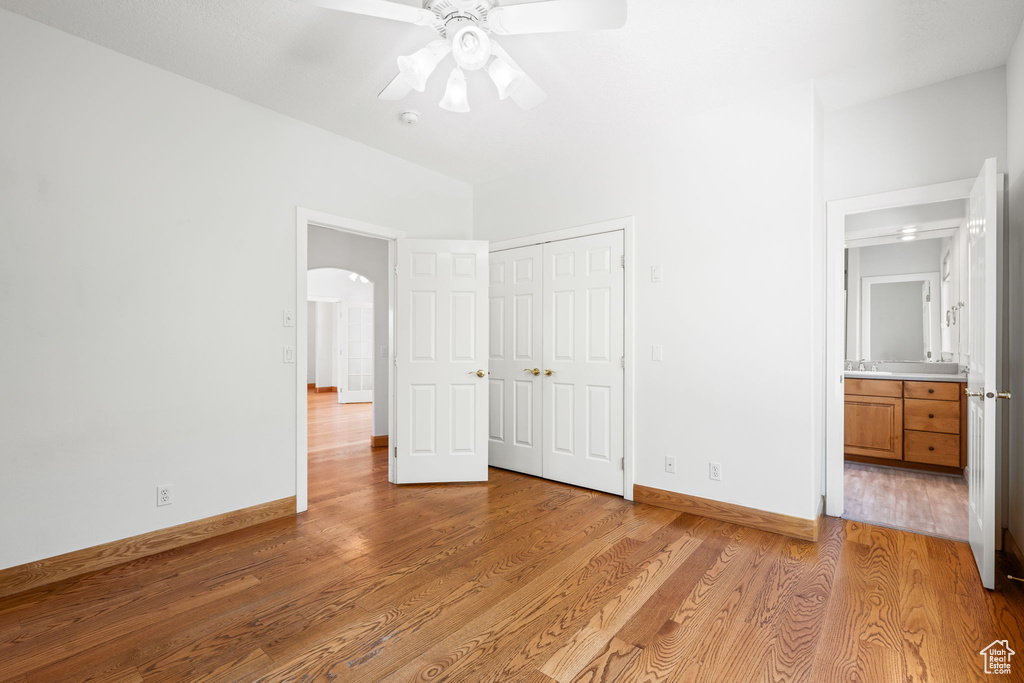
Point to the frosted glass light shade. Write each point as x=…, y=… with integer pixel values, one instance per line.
x=417, y=67
x=471, y=48
x=505, y=76
x=455, y=96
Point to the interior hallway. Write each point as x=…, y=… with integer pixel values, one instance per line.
x=518, y=579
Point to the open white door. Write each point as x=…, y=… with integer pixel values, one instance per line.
x=984, y=334
x=441, y=356
x=517, y=303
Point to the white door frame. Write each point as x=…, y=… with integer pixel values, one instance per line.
x=627, y=226
x=835, y=312
x=304, y=218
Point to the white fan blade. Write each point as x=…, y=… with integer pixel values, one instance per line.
x=379, y=8
x=397, y=89
x=527, y=94
x=557, y=15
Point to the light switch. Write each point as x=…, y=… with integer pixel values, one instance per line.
x=289, y=318
x=383, y=352
x=656, y=353
x=656, y=274
x=289, y=354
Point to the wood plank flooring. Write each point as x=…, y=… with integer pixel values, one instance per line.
x=925, y=502
x=518, y=579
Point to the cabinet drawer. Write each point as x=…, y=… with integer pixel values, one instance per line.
x=874, y=387
x=932, y=448
x=933, y=391
x=931, y=416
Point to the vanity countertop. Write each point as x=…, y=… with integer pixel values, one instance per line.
x=911, y=376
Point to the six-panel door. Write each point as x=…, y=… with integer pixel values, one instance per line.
x=516, y=309
x=583, y=362
x=441, y=351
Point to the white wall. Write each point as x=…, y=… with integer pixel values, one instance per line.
x=930, y=135
x=149, y=222
x=367, y=256
x=725, y=203
x=1015, y=166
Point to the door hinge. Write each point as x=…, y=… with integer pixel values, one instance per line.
x=623, y=260
x=622, y=362
x=395, y=360
x=622, y=464
x=396, y=269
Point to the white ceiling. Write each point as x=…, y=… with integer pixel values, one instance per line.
x=673, y=57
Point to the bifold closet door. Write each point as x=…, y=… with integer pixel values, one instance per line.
x=583, y=362
x=516, y=304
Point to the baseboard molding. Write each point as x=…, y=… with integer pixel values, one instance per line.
x=795, y=527
x=379, y=441
x=311, y=387
x=326, y=390
x=41, y=572
x=1013, y=553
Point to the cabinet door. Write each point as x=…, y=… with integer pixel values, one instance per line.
x=874, y=426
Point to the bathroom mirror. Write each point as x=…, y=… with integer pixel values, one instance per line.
x=900, y=317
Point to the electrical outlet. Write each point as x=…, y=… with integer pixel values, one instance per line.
x=670, y=464
x=715, y=471
x=163, y=495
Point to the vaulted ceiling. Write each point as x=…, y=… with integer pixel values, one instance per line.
x=672, y=57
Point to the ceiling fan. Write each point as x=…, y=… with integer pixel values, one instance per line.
x=465, y=28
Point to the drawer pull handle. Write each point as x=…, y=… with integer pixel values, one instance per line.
x=930, y=415
x=931, y=448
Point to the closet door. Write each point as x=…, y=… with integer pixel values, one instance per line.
x=582, y=369
x=516, y=308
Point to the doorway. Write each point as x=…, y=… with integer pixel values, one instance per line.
x=927, y=414
x=324, y=241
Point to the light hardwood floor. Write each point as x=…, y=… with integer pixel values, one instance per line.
x=518, y=579
x=934, y=504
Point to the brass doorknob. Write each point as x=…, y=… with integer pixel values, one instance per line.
x=968, y=392
x=549, y=372
x=534, y=372
x=479, y=373
x=1004, y=394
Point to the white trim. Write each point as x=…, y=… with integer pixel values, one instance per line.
x=627, y=225
x=932, y=278
x=303, y=219
x=835, y=312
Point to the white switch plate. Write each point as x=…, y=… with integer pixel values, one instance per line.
x=383, y=352
x=670, y=464
x=289, y=318
x=656, y=352
x=655, y=274
x=289, y=354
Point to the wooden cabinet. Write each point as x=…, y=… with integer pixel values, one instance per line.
x=874, y=426
x=906, y=423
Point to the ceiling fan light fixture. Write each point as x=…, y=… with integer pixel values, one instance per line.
x=505, y=76
x=471, y=47
x=456, y=98
x=417, y=67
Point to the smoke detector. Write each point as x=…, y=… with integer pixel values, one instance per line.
x=410, y=117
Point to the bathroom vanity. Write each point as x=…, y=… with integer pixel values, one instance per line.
x=907, y=419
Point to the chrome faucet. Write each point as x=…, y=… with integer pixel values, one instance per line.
x=861, y=367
